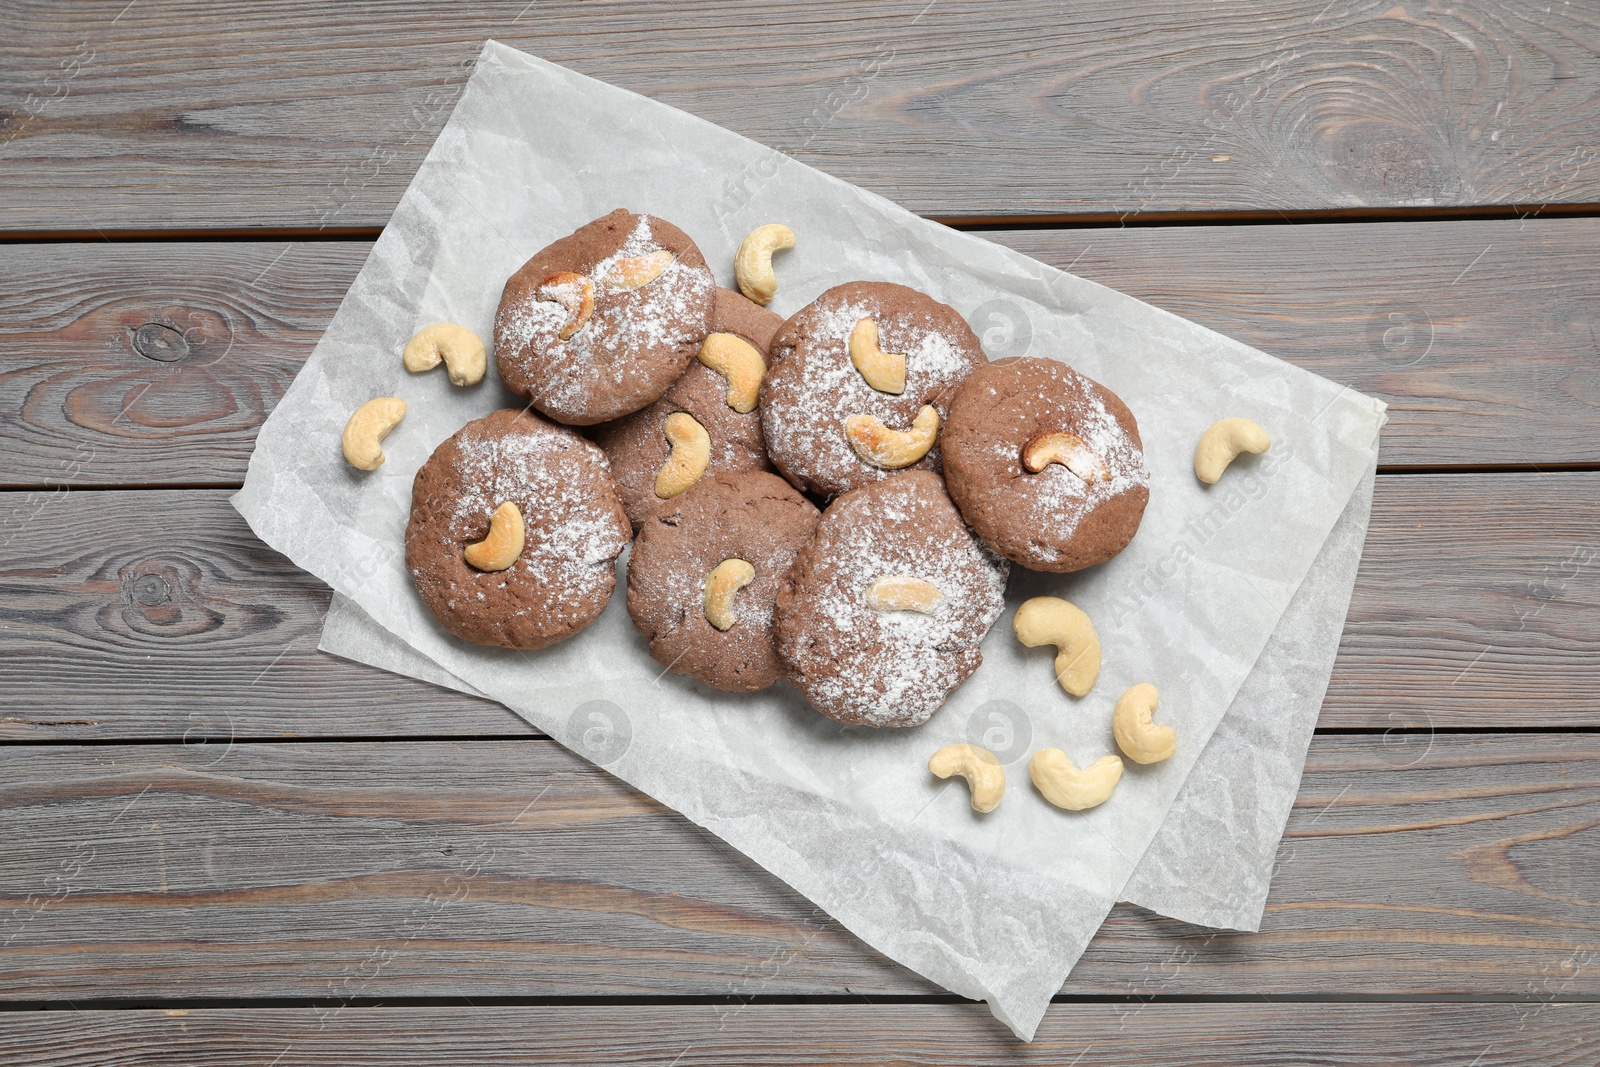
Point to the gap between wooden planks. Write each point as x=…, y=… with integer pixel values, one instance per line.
x=154, y=364
x=1083, y=1035
x=402, y=869
x=158, y=614
x=1098, y=1035
x=303, y=114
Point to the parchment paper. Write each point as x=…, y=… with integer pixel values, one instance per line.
x=1213, y=859
x=1237, y=798
x=996, y=907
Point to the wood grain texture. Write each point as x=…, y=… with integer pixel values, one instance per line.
x=1477, y=604
x=483, y=869
x=310, y=115
x=162, y=614
x=1480, y=335
x=82, y=401
x=1085, y=1035
x=159, y=615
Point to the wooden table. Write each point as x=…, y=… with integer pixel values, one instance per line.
x=224, y=847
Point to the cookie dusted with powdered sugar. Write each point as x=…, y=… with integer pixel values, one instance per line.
x=599, y=324
x=861, y=381
x=522, y=580
x=882, y=615
x=719, y=391
x=1045, y=464
x=704, y=576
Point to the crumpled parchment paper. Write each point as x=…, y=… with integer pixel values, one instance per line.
x=997, y=907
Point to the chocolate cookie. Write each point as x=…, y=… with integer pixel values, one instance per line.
x=881, y=617
x=598, y=324
x=572, y=524
x=733, y=312
x=637, y=445
x=851, y=372
x=1045, y=464
x=704, y=574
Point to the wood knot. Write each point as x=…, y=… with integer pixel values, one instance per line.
x=149, y=590
x=160, y=343
x=160, y=598
x=1375, y=161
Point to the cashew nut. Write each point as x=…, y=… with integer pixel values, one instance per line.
x=902, y=592
x=1140, y=739
x=738, y=361
x=982, y=770
x=1067, y=449
x=1220, y=444
x=636, y=272
x=573, y=292
x=752, y=266
x=1065, y=786
x=892, y=449
x=465, y=358
x=884, y=371
x=691, y=451
x=726, y=579
x=369, y=425
x=500, y=549
x=1049, y=620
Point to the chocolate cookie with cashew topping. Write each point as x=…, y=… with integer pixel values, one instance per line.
x=719, y=392
x=704, y=575
x=599, y=324
x=861, y=381
x=881, y=617
x=514, y=533
x=1045, y=464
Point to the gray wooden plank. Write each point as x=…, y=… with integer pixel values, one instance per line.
x=157, y=614
x=905, y=1035
x=119, y=117
x=161, y=614
x=1480, y=335
x=1475, y=606
x=1464, y=865
x=154, y=363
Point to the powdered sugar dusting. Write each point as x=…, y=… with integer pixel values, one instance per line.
x=1058, y=499
x=756, y=517
x=685, y=587
x=665, y=314
x=891, y=667
x=638, y=446
x=815, y=388
x=686, y=590
x=572, y=535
